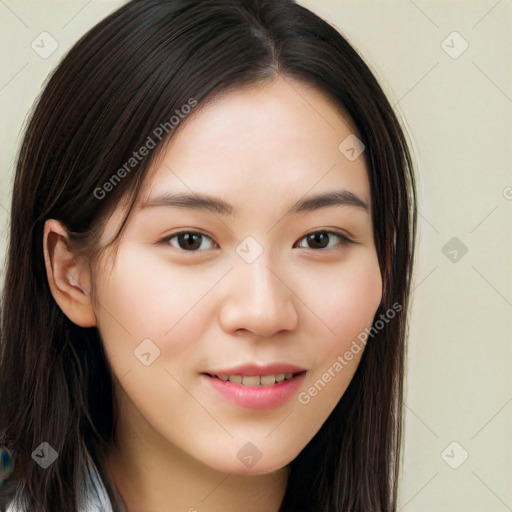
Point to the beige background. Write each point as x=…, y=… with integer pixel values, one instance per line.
x=458, y=115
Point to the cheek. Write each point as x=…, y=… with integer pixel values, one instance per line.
x=347, y=306
x=146, y=297
x=349, y=299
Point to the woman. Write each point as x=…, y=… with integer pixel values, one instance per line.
x=212, y=233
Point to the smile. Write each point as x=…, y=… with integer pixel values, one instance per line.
x=255, y=391
x=255, y=380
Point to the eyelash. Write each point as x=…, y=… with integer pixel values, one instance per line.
x=344, y=239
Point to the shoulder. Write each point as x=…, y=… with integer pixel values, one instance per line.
x=91, y=493
x=13, y=508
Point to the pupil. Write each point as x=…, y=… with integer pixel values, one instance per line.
x=315, y=239
x=189, y=239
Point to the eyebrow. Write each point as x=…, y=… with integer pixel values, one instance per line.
x=195, y=201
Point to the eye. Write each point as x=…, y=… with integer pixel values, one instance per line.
x=189, y=241
x=324, y=239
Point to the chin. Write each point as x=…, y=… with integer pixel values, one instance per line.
x=258, y=470
x=243, y=465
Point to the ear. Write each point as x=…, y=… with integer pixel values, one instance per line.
x=69, y=279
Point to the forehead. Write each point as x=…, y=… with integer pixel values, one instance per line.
x=282, y=134
x=259, y=148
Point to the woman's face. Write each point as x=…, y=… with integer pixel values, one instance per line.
x=257, y=296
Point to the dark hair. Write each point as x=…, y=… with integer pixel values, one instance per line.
x=130, y=73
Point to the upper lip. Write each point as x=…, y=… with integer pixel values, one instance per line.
x=259, y=369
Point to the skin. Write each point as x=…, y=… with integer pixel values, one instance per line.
x=259, y=149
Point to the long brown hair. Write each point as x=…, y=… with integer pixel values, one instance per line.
x=129, y=74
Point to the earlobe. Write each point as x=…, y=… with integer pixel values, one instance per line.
x=68, y=277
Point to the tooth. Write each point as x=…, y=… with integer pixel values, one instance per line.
x=253, y=380
x=235, y=379
x=280, y=377
x=288, y=376
x=223, y=377
x=267, y=380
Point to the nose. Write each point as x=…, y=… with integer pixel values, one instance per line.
x=257, y=298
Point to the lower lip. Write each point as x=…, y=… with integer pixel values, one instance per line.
x=258, y=397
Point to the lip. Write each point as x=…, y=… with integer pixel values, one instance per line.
x=258, y=369
x=257, y=397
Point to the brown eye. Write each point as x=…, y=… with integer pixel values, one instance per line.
x=188, y=241
x=323, y=239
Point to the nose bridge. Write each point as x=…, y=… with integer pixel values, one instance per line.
x=263, y=287
x=257, y=297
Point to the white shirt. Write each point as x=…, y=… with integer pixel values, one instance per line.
x=92, y=498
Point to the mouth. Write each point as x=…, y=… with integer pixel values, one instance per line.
x=270, y=379
x=256, y=387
